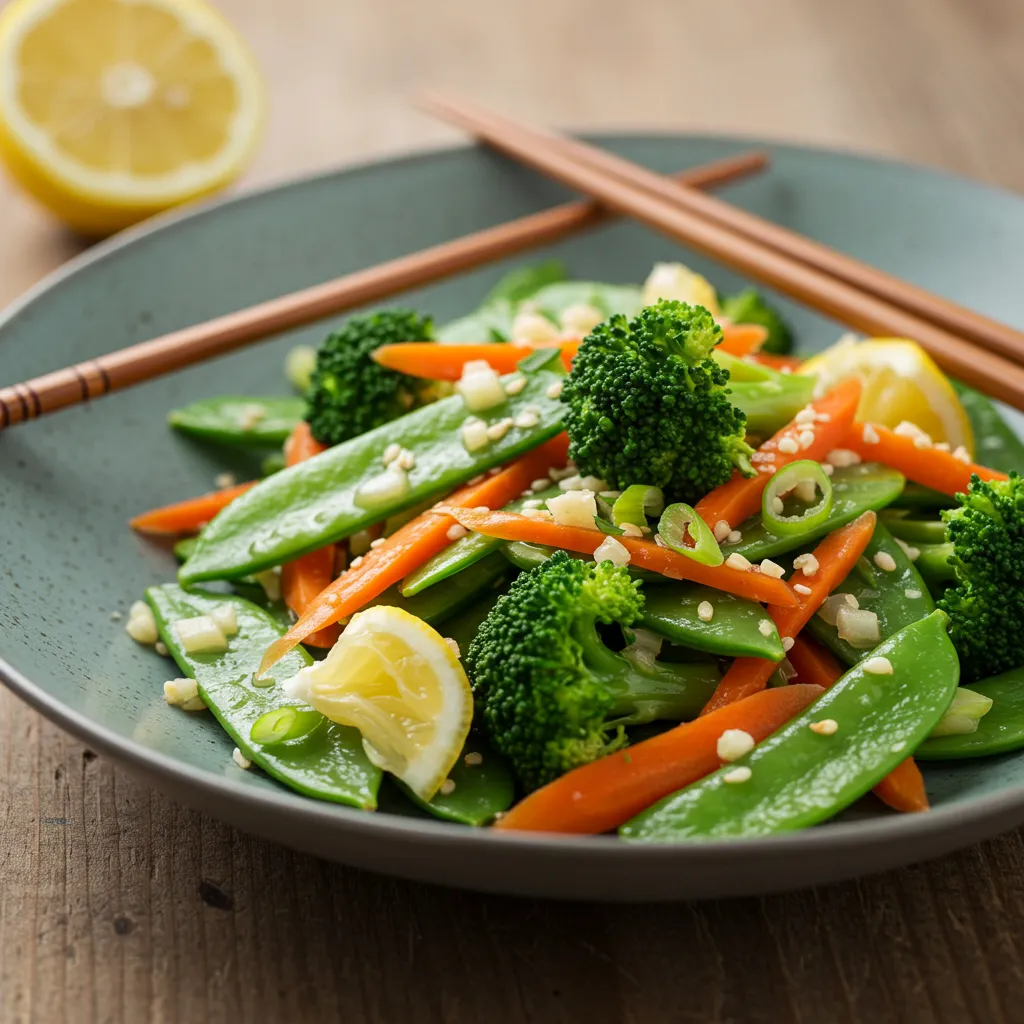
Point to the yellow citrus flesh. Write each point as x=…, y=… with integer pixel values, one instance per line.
x=397, y=681
x=113, y=110
x=901, y=382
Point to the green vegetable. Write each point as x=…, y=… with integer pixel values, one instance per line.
x=855, y=489
x=461, y=553
x=636, y=503
x=349, y=393
x=934, y=564
x=782, y=483
x=751, y=307
x=890, y=595
x=523, y=282
x=272, y=464
x=918, y=497
x=551, y=693
x=770, y=405
x=679, y=523
x=183, y=548
x=525, y=555
x=999, y=732
x=481, y=790
x=299, y=365
x=237, y=419
x=328, y=762
x=913, y=531
x=314, y=503
x=609, y=299
x=284, y=724
x=997, y=443
x=646, y=401
x=963, y=714
x=734, y=630
x=986, y=604
x=798, y=777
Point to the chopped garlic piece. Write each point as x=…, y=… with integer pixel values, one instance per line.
x=474, y=434
x=473, y=758
x=391, y=453
x=773, y=569
x=737, y=561
x=535, y=330
x=734, y=743
x=841, y=458
x=456, y=532
x=496, y=431
x=740, y=774
x=825, y=727
x=447, y=787
x=722, y=530
x=705, y=611
x=734, y=537
x=807, y=564
x=961, y=454
x=801, y=589
x=240, y=759
x=610, y=550
x=383, y=489
x=788, y=445
x=580, y=318
x=554, y=391
x=141, y=624
x=527, y=419
x=225, y=617
x=912, y=593
x=453, y=646
x=878, y=666
x=884, y=561
x=858, y=627
x=911, y=552
x=515, y=385
x=225, y=480
x=787, y=643
x=806, y=438
x=200, y=635
x=631, y=530
x=184, y=694
x=869, y=435
x=480, y=386
x=806, y=491
x=574, y=508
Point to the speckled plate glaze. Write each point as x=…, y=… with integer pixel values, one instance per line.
x=69, y=482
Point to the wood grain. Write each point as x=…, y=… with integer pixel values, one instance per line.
x=117, y=905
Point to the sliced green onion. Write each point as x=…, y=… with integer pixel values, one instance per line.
x=963, y=714
x=786, y=480
x=679, y=524
x=636, y=503
x=284, y=724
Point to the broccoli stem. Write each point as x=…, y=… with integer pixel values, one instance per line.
x=645, y=690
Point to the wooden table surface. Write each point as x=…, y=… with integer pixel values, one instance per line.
x=118, y=905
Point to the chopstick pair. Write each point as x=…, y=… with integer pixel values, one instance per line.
x=975, y=348
x=149, y=359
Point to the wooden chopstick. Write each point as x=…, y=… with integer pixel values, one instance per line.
x=836, y=298
x=181, y=348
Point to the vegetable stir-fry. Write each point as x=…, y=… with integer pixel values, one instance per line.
x=602, y=558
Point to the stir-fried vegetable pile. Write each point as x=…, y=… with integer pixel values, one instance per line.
x=603, y=557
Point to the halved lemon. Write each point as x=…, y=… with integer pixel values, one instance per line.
x=901, y=382
x=400, y=684
x=113, y=110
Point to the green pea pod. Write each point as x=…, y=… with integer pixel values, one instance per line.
x=798, y=777
x=733, y=631
x=915, y=496
x=855, y=489
x=237, y=419
x=525, y=555
x=525, y=281
x=461, y=553
x=996, y=442
x=448, y=598
x=481, y=791
x=337, y=493
x=770, y=405
x=327, y=763
x=609, y=299
x=933, y=564
x=999, y=731
x=898, y=597
x=913, y=531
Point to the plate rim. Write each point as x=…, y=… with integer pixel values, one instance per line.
x=886, y=829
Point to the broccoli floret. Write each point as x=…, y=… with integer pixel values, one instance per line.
x=648, y=404
x=751, y=307
x=986, y=605
x=349, y=393
x=552, y=694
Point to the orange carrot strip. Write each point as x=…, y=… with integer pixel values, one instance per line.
x=740, y=498
x=412, y=545
x=445, y=362
x=941, y=471
x=742, y=339
x=304, y=578
x=837, y=554
x=813, y=662
x=646, y=554
x=903, y=788
x=190, y=515
x=602, y=795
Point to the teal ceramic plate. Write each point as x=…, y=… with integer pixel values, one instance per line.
x=69, y=482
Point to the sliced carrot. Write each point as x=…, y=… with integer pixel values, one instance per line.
x=602, y=795
x=445, y=362
x=303, y=579
x=190, y=515
x=903, y=788
x=645, y=554
x=412, y=545
x=939, y=470
x=837, y=554
x=743, y=339
x=740, y=498
x=813, y=662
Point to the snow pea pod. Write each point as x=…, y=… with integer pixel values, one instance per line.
x=933, y=564
x=799, y=777
x=897, y=596
x=340, y=491
x=734, y=629
x=525, y=555
x=855, y=489
x=328, y=763
x=770, y=405
x=462, y=553
x=996, y=442
x=239, y=419
x=918, y=497
x=913, y=531
x=999, y=731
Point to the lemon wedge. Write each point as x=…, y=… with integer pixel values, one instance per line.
x=675, y=281
x=901, y=382
x=113, y=110
x=400, y=684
